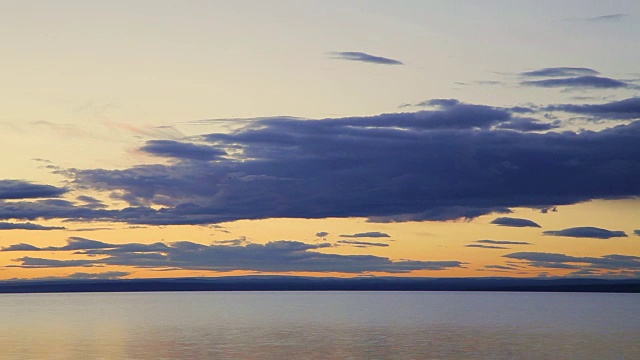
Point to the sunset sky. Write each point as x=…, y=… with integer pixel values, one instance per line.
x=321, y=138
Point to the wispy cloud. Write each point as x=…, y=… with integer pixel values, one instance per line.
x=20, y=189
x=275, y=256
x=514, y=222
x=586, y=232
x=580, y=82
x=27, y=226
x=364, y=57
x=371, y=234
x=362, y=243
x=560, y=72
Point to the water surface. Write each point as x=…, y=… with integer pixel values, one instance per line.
x=320, y=325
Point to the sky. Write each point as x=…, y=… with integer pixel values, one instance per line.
x=154, y=139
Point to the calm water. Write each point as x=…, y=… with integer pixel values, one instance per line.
x=320, y=325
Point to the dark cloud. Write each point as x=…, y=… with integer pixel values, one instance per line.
x=485, y=246
x=20, y=247
x=91, y=202
x=181, y=150
x=275, y=256
x=362, y=243
x=527, y=124
x=581, y=82
x=438, y=103
x=27, y=226
x=28, y=262
x=322, y=234
x=371, y=234
x=561, y=72
x=449, y=163
x=586, y=232
x=562, y=261
x=514, y=222
x=636, y=232
x=501, y=267
x=19, y=189
x=364, y=57
x=628, y=109
x=430, y=165
x=107, y=275
x=73, y=243
x=503, y=242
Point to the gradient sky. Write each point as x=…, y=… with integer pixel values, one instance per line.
x=323, y=138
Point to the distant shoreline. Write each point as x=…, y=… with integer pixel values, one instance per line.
x=293, y=283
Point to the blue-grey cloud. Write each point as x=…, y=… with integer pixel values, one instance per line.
x=582, y=82
x=501, y=267
x=275, y=256
x=503, y=242
x=364, y=57
x=431, y=165
x=182, y=150
x=371, y=234
x=27, y=226
x=19, y=189
x=636, y=232
x=562, y=261
x=447, y=163
x=514, y=222
x=586, y=232
x=610, y=17
x=561, y=72
x=627, y=109
x=20, y=247
x=438, y=103
x=73, y=243
x=362, y=243
x=485, y=246
x=107, y=275
x=91, y=202
x=527, y=124
x=322, y=234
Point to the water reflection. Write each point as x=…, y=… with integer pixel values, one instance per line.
x=320, y=326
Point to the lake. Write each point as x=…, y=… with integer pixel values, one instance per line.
x=320, y=325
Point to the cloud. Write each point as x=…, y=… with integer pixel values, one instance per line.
x=503, y=242
x=372, y=234
x=582, y=82
x=636, y=232
x=364, y=57
x=485, y=246
x=107, y=275
x=27, y=226
x=561, y=72
x=627, y=109
x=514, y=222
x=611, y=17
x=561, y=261
x=322, y=234
x=501, y=267
x=20, y=247
x=447, y=163
x=527, y=124
x=19, y=189
x=73, y=243
x=275, y=256
x=362, y=243
x=181, y=150
x=586, y=232
x=430, y=165
x=39, y=263
x=438, y=103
